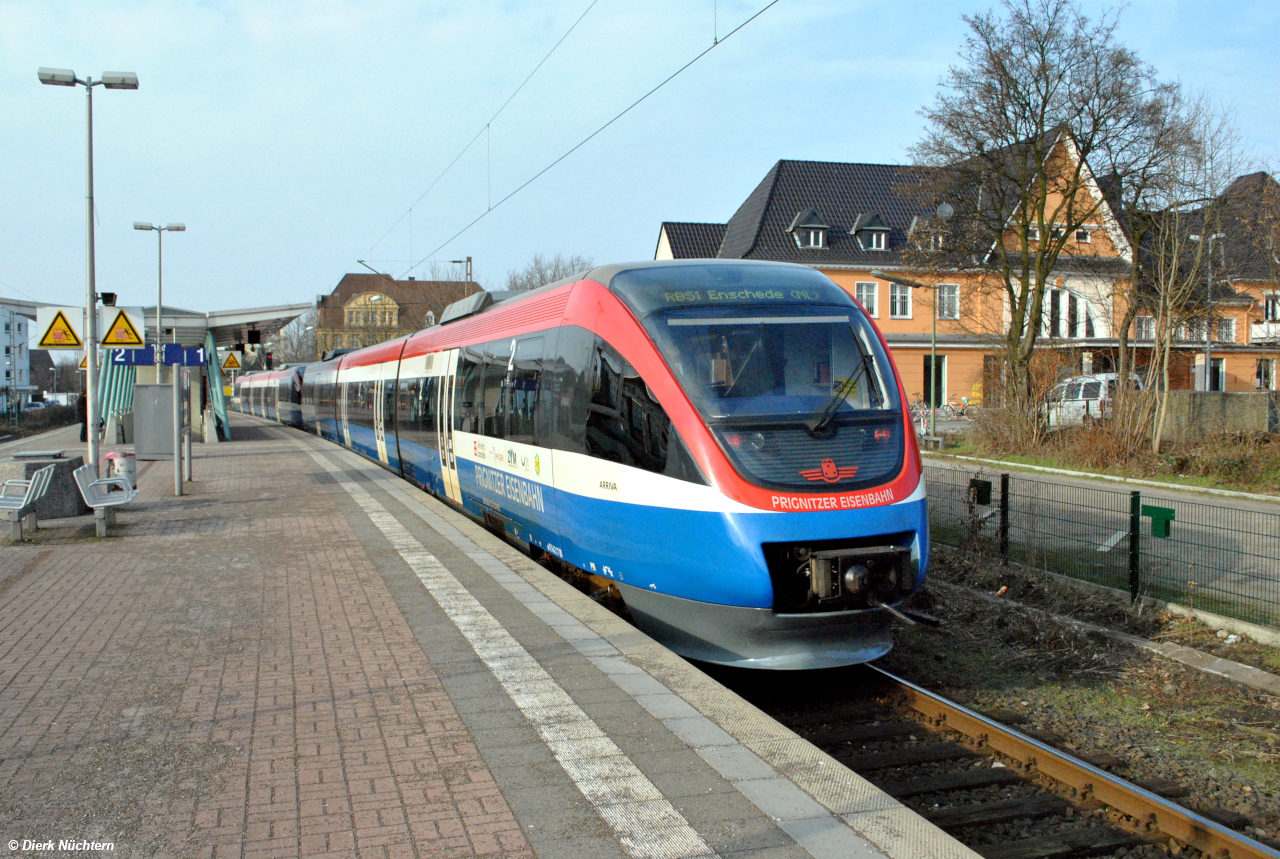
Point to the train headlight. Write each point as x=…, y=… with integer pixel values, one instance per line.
x=855, y=578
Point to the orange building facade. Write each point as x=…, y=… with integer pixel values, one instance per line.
x=850, y=220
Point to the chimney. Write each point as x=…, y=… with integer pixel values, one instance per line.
x=411, y=277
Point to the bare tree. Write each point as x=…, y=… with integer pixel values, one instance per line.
x=1183, y=259
x=540, y=270
x=296, y=342
x=1040, y=91
x=66, y=374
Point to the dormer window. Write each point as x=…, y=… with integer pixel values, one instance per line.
x=871, y=231
x=808, y=229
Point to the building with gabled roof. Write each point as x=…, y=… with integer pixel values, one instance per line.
x=688, y=240
x=364, y=309
x=850, y=219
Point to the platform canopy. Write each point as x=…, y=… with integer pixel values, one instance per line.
x=228, y=326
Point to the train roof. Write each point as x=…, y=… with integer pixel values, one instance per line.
x=484, y=315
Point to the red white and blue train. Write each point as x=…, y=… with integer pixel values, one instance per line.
x=726, y=443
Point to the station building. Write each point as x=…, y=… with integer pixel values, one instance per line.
x=850, y=219
x=364, y=309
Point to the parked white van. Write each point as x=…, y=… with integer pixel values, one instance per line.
x=1080, y=399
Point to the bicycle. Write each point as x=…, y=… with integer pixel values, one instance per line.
x=963, y=410
x=920, y=415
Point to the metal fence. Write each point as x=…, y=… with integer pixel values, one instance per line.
x=1222, y=559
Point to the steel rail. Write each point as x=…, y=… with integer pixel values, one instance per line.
x=1141, y=811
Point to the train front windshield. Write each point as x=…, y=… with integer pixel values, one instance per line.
x=790, y=376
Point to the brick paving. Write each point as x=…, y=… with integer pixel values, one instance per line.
x=202, y=683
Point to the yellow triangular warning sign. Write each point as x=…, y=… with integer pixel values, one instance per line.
x=84, y=362
x=122, y=333
x=60, y=335
x=231, y=363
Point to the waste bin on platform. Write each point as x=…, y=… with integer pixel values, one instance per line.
x=124, y=465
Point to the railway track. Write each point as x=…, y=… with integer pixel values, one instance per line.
x=1002, y=792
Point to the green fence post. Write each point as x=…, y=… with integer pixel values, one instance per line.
x=1135, y=543
x=1004, y=520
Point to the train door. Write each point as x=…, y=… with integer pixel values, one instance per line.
x=384, y=414
x=344, y=427
x=379, y=416
x=444, y=426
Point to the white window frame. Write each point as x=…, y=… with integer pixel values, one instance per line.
x=936, y=242
x=811, y=237
x=948, y=287
x=902, y=292
x=873, y=308
x=1271, y=307
x=1144, y=322
x=1055, y=233
x=1033, y=234
x=1083, y=236
x=874, y=240
x=1225, y=329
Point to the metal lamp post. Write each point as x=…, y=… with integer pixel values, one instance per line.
x=159, y=231
x=1209, y=320
x=109, y=80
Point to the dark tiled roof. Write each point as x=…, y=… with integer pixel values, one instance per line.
x=839, y=194
x=691, y=240
x=1251, y=221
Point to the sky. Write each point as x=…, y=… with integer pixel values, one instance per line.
x=295, y=137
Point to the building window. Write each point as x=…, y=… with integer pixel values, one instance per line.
x=948, y=301
x=1082, y=237
x=866, y=295
x=935, y=242
x=1266, y=374
x=1271, y=307
x=1192, y=329
x=1033, y=234
x=1055, y=234
x=1144, y=328
x=899, y=301
x=872, y=240
x=1226, y=330
x=812, y=238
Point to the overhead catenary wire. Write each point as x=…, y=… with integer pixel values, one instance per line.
x=590, y=136
x=483, y=129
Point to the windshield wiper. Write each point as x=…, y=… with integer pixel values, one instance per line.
x=820, y=424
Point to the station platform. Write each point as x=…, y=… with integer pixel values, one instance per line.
x=306, y=656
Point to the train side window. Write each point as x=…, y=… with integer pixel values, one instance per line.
x=522, y=385
x=565, y=394
x=497, y=361
x=469, y=391
x=624, y=422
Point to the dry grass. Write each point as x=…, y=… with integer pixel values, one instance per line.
x=1248, y=462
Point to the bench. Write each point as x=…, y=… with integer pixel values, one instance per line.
x=99, y=494
x=18, y=500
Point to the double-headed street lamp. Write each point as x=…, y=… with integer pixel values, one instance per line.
x=110, y=80
x=159, y=231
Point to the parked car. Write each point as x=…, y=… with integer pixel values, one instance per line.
x=1080, y=399
x=32, y=406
